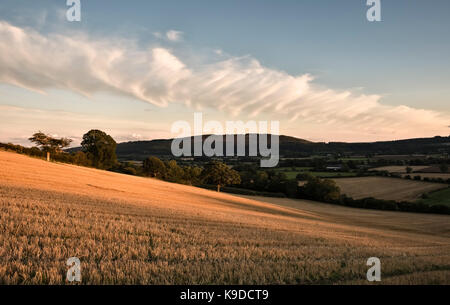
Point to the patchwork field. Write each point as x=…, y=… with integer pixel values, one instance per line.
x=438, y=197
x=399, y=169
x=386, y=188
x=291, y=173
x=132, y=230
x=430, y=175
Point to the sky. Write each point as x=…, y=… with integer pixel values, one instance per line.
x=132, y=69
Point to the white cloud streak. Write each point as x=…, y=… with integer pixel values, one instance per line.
x=238, y=86
x=173, y=35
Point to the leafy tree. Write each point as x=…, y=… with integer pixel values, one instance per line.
x=100, y=148
x=276, y=182
x=154, y=167
x=409, y=170
x=261, y=180
x=321, y=189
x=220, y=174
x=80, y=158
x=174, y=172
x=304, y=176
x=192, y=174
x=49, y=144
x=443, y=167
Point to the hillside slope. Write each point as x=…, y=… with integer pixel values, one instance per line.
x=295, y=147
x=128, y=229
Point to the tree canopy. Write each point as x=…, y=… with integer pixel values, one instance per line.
x=100, y=148
x=220, y=174
x=321, y=189
x=154, y=167
x=49, y=144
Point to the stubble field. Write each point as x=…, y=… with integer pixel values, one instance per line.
x=386, y=188
x=132, y=230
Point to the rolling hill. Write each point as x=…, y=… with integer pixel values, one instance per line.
x=134, y=230
x=294, y=147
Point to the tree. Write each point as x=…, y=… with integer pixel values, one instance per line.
x=174, y=172
x=304, y=177
x=100, y=148
x=321, y=189
x=49, y=144
x=192, y=174
x=409, y=170
x=154, y=167
x=220, y=174
x=80, y=158
x=443, y=167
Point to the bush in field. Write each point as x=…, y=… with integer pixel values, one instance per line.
x=192, y=175
x=80, y=158
x=154, y=167
x=36, y=152
x=291, y=188
x=130, y=171
x=174, y=173
x=320, y=189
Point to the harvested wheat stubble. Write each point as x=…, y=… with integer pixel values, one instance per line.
x=386, y=188
x=132, y=230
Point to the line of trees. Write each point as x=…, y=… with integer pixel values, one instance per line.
x=49, y=144
x=98, y=149
x=215, y=173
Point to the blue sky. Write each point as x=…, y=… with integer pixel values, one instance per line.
x=403, y=60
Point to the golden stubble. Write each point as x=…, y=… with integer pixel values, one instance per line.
x=133, y=230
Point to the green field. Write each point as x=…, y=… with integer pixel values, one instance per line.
x=354, y=159
x=438, y=197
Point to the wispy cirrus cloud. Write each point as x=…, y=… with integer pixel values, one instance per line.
x=173, y=35
x=239, y=86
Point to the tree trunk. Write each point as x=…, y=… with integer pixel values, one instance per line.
x=48, y=156
x=218, y=188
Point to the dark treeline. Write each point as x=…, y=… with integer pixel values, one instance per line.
x=291, y=147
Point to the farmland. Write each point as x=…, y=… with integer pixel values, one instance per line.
x=429, y=175
x=291, y=173
x=438, y=197
x=134, y=230
x=386, y=188
x=399, y=169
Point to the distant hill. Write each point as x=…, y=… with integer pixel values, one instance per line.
x=295, y=147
